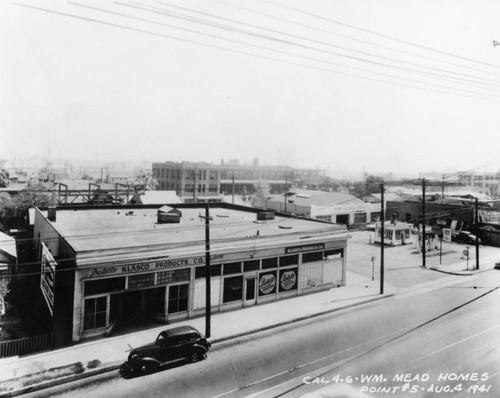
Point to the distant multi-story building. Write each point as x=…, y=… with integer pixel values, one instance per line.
x=202, y=180
x=481, y=182
x=310, y=177
x=188, y=178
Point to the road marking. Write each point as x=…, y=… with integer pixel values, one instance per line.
x=432, y=285
x=311, y=363
x=460, y=341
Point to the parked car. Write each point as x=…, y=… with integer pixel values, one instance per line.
x=465, y=237
x=178, y=343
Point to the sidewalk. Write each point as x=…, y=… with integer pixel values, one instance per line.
x=488, y=260
x=35, y=372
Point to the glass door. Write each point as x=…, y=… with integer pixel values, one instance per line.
x=250, y=291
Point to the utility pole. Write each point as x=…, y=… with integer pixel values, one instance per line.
x=194, y=186
x=382, y=232
x=442, y=188
x=286, y=188
x=477, y=234
x=233, y=187
x=423, y=222
x=208, y=303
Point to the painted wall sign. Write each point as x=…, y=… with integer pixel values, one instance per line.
x=489, y=216
x=267, y=283
x=152, y=266
x=306, y=248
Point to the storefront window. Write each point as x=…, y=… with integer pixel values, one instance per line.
x=232, y=268
x=289, y=260
x=178, y=298
x=335, y=253
x=360, y=218
x=252, y=265
x=142, y=280
x=288, y=279
x=175, y=275
x=158, y=300
x=106, y=285
x=268, y=263
x=95, y=313
x=215, y=270
x=311, y=257
x=267, y=283
x=233, y=289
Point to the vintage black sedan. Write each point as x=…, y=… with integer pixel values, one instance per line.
x=178, y=343
x=465, y=237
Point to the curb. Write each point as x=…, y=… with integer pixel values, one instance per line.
x=284, y=323
x=460, y=273
x=115, y=366
x=59, y=381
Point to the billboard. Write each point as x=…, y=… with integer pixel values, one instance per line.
x=48, y=277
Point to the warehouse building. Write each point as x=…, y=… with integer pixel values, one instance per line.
x=106, y=269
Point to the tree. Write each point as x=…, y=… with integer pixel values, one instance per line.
x=14, y=208
x=4, y=178
x=370, y=186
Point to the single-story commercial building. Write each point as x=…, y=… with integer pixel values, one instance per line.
x=335, y=207
x=103, y=268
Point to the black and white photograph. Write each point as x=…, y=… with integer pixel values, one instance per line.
x=249, y=198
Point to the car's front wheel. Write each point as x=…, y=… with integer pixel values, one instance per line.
x=148, y=368
x=196, y=356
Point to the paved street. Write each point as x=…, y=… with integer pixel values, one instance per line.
x=456, y=354
x=446, y=324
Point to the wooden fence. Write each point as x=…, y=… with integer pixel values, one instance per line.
x=490, y=238
x=26, y=345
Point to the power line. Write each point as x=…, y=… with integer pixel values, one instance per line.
x=447, y=89
x=382, y=35
x=226, y=27
x=432, y=75
x=344, y=36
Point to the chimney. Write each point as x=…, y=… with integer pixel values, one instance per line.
x=265, y=215
x=52, y=214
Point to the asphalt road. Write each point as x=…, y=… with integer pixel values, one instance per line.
x=443, y=324
x=456, y=354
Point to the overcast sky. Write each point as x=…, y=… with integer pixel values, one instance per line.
x=396, y=86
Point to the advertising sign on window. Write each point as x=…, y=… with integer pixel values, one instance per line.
x=267, y=283
x=288, y=279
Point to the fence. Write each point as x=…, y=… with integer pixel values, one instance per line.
x=490, y=238
x=26, y=345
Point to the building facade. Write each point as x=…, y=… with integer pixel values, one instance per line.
x=486, y=183
x=334, y=207
x=189, y=180
x=199, y=180
x=105, y=268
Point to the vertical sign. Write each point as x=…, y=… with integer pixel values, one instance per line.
x=48, y=277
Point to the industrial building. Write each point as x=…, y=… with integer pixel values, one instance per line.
x=107, y=268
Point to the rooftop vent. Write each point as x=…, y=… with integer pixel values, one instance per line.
x=168, y=215
x=265, y=215
x=51, y=215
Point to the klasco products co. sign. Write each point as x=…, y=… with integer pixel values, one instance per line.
x=267, y=283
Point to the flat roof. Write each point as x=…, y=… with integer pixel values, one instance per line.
x=126, y=229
